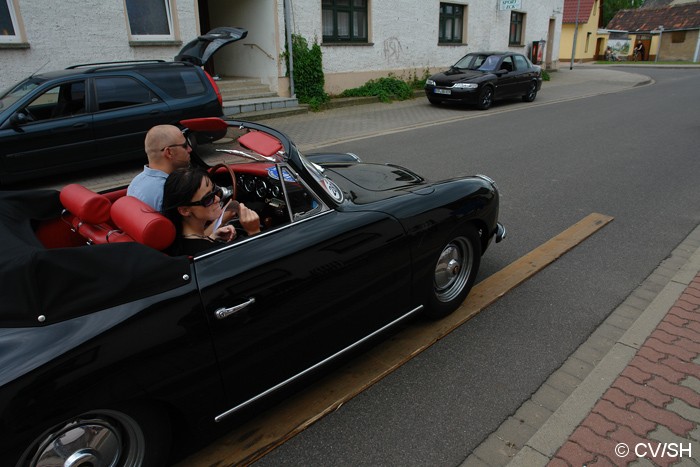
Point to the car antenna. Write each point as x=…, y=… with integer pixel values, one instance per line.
x=40, y=68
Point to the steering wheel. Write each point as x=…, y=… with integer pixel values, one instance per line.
x=213, y=170
x=29, y=115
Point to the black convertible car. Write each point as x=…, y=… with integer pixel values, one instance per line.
x=479, y=78
x=112, y=352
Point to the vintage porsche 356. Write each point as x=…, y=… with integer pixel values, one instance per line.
x=107, y=343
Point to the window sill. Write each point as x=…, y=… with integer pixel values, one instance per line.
x=351, y=44
x=154, y=43
x=516, y=45
x=453, y=44
x=14, y=45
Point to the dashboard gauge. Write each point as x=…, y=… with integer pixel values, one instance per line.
x=248, y=183
x=261, y=188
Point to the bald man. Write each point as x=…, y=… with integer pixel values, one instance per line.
x=167, y=149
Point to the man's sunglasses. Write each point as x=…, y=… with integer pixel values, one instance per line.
x=208, y=199
x=183, y=145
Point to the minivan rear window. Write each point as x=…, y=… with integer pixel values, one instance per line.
x=178, y=84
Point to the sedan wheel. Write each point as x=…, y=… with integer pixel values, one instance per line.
x=454, y=274
x=531, y=93
x=97, y=439
x=485, y=98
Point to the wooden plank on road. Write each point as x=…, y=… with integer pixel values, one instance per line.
x=254, y=439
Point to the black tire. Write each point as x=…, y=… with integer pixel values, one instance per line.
x=434, y=101
x=531, y=92
x=485, y=98
x=103, y=438
x=456, y=267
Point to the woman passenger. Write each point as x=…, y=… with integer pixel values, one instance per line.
x=192, y=201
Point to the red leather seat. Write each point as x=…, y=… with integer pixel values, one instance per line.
x=88, y=213
x=127, y=219
x=142, y=223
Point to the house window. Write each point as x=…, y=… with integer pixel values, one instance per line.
x=451, y=22
x=516, y=28
x=150, y=20
x=344, y=20
x=9, y=24
x=677, y=37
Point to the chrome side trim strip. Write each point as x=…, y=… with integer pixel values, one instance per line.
x=319, y=364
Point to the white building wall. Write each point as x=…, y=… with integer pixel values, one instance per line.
x=403, y=37
x=61, y=33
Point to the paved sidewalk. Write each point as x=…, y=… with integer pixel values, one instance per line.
x=630, y=394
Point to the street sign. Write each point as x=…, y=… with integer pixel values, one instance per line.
x=509, y=4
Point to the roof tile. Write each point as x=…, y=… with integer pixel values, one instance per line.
x=671, y=18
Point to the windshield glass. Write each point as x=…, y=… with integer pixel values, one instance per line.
x=474, y=62
x=490, y=63
x=17, y=92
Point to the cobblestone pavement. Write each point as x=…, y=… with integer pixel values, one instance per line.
x=630, y=395
x=653, y=408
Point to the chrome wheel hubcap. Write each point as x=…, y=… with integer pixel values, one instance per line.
x=93, y=442
x=453, y=269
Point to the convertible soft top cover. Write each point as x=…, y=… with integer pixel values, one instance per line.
x=43, y=286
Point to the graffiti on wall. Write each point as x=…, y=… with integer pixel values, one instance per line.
x=392, y=49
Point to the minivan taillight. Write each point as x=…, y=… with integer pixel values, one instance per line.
x=216, y=88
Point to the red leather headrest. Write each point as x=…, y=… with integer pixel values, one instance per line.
x=205, y=124
x=260, y=142
x=142, y=223
x=85, y=204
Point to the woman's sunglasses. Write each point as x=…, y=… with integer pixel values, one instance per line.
x=208, y=199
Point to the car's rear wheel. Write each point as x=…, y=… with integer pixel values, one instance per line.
x=531, y=92
x=102, y=438
x=485, y=98
x=455, y=270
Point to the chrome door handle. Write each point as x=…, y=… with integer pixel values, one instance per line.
x=223, y=312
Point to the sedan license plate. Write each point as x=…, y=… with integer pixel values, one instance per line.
x=443, y=91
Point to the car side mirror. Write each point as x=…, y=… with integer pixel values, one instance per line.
x=502, y=71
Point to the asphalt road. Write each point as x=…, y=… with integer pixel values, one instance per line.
x=631, y=155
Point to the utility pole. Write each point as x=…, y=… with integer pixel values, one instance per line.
x=658, y=48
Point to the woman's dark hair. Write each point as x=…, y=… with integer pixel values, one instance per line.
x=179, y=189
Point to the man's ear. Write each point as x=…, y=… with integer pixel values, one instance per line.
x=184, y=211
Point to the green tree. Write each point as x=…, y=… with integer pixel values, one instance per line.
x=611, y=7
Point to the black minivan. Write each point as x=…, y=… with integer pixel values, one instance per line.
x=96, y=114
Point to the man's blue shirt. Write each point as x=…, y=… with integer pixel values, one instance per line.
x=148, y=187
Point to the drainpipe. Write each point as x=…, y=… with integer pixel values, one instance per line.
x=288, y=30
x=573, y=49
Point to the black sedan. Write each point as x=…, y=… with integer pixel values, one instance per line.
x=479, y=78
x=113, y=352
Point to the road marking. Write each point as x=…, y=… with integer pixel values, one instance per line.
x=261, y=435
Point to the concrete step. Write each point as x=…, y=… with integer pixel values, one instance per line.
x=243, y=88
x=243, y=108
